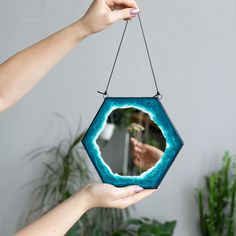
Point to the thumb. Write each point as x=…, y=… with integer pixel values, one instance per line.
x=127, y=191
x=126, y=13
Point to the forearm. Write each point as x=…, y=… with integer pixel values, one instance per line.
x=59, y=220
x=22, y=71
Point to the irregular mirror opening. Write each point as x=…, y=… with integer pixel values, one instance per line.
x=130, y=142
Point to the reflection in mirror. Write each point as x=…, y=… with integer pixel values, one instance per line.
x=130, y=142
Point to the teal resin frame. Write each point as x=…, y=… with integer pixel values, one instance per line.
x=152, y=106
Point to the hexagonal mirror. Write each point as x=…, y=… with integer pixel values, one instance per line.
x=132, y=141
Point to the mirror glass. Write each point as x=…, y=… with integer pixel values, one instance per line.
x=130, y=142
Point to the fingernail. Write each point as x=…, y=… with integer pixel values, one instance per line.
x=134, y=12
x=138, y=189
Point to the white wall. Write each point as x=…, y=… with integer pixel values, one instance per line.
x=192, y=44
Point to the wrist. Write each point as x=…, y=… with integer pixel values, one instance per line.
x=80, y=31
x=83, y=200
x=74, y=33
x=89, y=192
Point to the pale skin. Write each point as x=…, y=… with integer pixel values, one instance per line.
x=25, y=69
x=144, y=156
x=59, y=220
x=20, y=73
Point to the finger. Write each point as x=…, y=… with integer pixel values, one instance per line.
x=133, y=140
x=126, y=19
x=124, y=192
x=139, y=144
x=137, y=149
x=126, y=3
x=136, y=143
x=135, y=155
x=119, y=7
x=137, y=162
x=123, y=203
x=143, y=151
x=123, y=14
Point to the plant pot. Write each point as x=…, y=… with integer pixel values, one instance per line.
x=107, y=132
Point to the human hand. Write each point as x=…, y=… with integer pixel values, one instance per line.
x=144, y=156
x=103, y=13
x=106, y=195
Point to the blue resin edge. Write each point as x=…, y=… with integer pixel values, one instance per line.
x=153, y=107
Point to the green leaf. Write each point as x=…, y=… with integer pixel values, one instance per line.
x=216, y=200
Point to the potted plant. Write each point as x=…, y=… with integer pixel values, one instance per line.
x=216, y=200
x=107, y=131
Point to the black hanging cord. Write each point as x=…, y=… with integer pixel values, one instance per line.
x=113, y=67
x=158, y=94
x=149, y=58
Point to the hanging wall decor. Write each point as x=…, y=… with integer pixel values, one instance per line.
x=131, y=140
